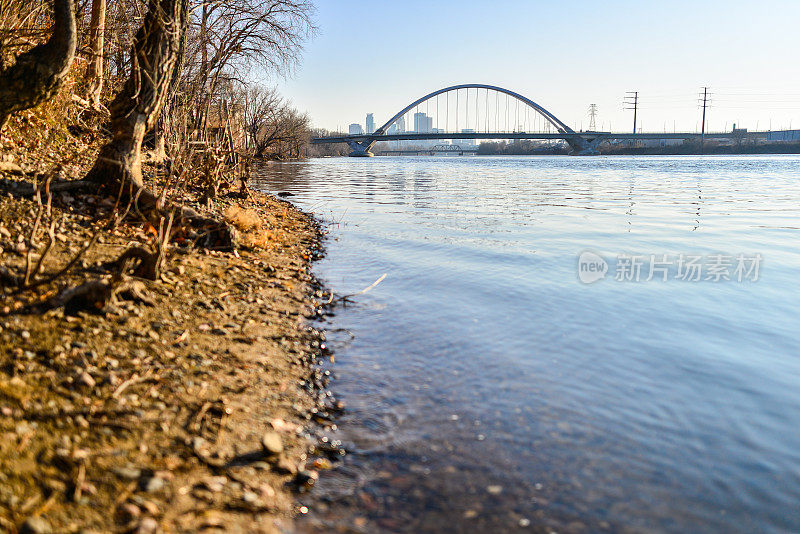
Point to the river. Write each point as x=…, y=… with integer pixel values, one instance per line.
x=567, y=344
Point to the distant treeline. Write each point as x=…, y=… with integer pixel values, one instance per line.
x=693, y=148
x=526, y=147
x=522, y=147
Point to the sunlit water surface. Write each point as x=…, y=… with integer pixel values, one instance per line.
x=488, y=389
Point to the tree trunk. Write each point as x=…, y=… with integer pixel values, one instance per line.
x=95, y=71
x=38, y=74
x=134, y=111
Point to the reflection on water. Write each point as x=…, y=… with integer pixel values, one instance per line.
x=488, y=389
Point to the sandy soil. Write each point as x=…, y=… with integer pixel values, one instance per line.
x=188, y=404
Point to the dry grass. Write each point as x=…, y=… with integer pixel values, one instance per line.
x=243, y=219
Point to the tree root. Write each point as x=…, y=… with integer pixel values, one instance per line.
x=98, y=295
x=145, y=264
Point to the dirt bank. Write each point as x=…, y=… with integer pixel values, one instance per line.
x=184, y=404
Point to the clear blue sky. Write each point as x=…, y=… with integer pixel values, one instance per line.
x=378, y=56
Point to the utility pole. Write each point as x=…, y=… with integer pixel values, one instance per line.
x=592, y=116
x=703, y=127
x=632, y=102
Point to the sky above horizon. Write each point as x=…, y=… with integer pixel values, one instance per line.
x=379, y=56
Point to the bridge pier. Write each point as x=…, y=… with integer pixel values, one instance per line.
x=359, y=150
x=582, y=146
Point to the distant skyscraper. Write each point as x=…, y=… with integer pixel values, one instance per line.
x=355, y=129
x=370, y=123
x=422, y=123
x=466, y=142
x=401, y=125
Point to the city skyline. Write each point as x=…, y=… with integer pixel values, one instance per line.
x=616, y=49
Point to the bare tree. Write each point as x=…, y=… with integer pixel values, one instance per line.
x=259, y=106
x=95, y=70
x=136, y=108
x=233, y=36
x=37, y=74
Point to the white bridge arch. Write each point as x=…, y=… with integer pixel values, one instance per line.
x=361, y=145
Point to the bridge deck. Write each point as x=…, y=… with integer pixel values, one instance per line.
x=410, y=136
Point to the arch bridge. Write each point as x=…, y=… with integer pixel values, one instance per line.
x=479, y=111
x=467, y=111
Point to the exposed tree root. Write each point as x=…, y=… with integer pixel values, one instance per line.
x=99, y=295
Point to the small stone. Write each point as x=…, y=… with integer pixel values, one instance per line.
x=271, y=443
x=322, y=463
x=152, y=484
x=494, y=490
x=524, y=522
x=86, y=379
x=284, y=466
x=128, y=473
x=35, y=525
x=306, y=478
x=147, y=525
x=128, y=512
x=215, y=484
x=249, y=497
x=25, y=335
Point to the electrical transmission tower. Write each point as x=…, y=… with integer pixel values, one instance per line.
x=592, y=117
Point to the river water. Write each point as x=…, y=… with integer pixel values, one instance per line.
x=565, y=344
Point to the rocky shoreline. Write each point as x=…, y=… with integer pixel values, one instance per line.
x=188, y=404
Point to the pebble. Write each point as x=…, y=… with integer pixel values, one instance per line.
x=271, y=443
x=285, y=466
x=322, y=463
x=86, y=379
x=494, y=490
x=129, y=512
x=128, y=473
x=215, y=484
x=35, y=525
x=152, y=484
x=306, y=478
x=148, y=525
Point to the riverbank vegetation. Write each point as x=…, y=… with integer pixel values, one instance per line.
x=526, y=147
x=155, y=366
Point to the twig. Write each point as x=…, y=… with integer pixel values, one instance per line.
x=368, y=288
x=135, y=379
x=51, y=232
x=81, y=478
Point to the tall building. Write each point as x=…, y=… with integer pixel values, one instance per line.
x=401, y=125
x=355, y=129
x=466, y=142
x=370, y=123
x=422, y=123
